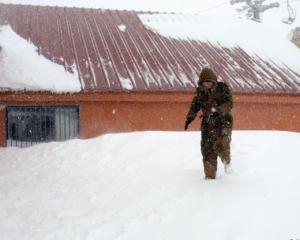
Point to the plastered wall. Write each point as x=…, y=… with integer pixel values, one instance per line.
x=122, y=114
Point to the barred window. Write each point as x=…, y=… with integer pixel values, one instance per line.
x=29, y=125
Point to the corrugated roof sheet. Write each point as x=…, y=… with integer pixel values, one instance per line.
x=114, y=51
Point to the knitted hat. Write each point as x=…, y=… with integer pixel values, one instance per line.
x=207, y=74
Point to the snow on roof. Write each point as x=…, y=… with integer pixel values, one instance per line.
x=22, y=68
x=271, y=18
x=138, y=5
x=253, y=37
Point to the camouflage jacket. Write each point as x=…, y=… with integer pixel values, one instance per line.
x=218, y=99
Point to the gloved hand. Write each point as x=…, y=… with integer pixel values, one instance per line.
x=226, y=126
x=224, y=131
x=187, y=123
x=213, y=118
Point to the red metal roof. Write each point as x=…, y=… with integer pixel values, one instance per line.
x=114, y=51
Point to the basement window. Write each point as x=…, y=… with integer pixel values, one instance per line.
x=29, y=125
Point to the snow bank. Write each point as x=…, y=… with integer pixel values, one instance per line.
x=254, y=38
x=21, y=67
x=150, y=185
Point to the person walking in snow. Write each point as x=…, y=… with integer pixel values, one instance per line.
x=214, y=100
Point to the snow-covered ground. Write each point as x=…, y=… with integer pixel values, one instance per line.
x=150, y=185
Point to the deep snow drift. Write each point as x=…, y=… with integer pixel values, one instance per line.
x=150, y=185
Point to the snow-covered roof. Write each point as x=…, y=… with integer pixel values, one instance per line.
x=271, y=18
x=136, y=51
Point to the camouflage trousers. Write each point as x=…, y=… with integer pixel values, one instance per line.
x=215, y=143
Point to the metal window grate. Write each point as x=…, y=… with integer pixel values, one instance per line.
x=29, y=125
